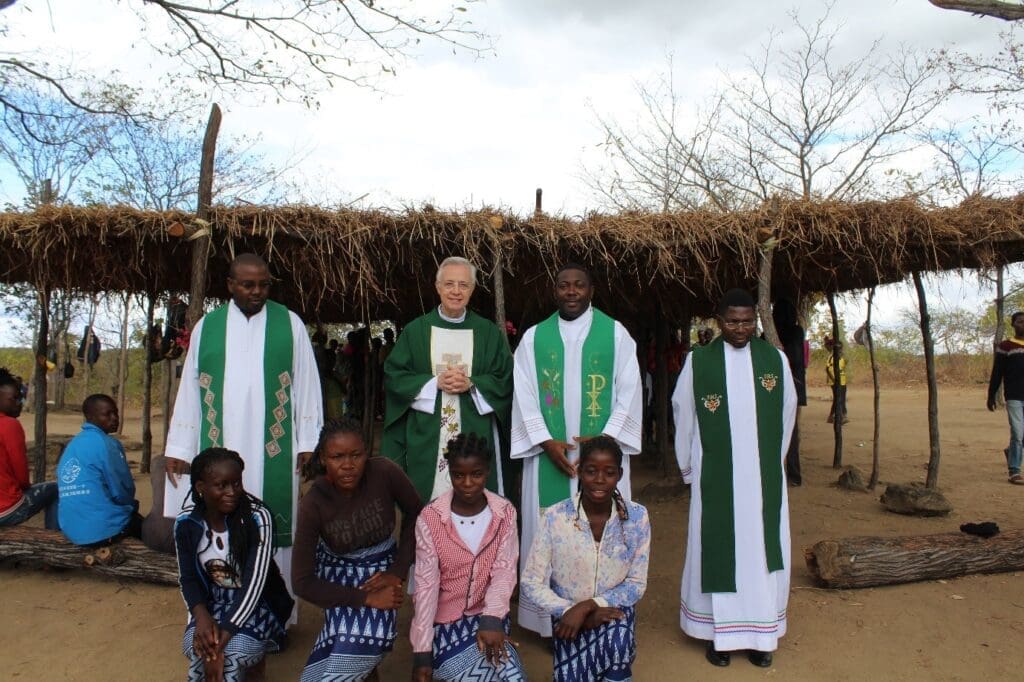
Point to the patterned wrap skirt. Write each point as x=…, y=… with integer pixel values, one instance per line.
x=456, y=658
x=260, y=634
x=604, y=654
x=353, y=641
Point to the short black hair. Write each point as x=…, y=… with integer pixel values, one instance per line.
x=467, y=446
x=246, y=259
x=1013, y=318
x=92, y=403
x=735, y=298
x=575, y=266
x=8, y=379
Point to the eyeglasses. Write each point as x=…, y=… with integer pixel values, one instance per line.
x=456, y=286
x=739, y=324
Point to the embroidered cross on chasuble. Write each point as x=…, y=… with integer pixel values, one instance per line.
x=449, y=349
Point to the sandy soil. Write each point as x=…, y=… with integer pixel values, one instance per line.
x=70, y=625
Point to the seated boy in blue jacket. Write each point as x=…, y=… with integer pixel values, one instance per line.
x=97, y=493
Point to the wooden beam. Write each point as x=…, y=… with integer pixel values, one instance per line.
x=1007, y=11
x=39, y=386
x=871, y=561
x=126, y=559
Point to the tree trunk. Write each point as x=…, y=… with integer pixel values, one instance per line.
x=201, y=245
x=764, y=294
x=837, y=421
x=122, y=366
x=147, y=390
x=872, y=561
x=1000, y=325
x=660, y=393
x=128, y=558
x=39, y=387
x=168, y=381
x=932, y=480
x=877, y=393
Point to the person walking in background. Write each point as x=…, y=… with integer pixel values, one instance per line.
x=1008, y=371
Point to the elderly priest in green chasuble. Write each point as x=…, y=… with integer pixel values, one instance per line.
x=449, y=373
x=576, y=376
x=735, y=405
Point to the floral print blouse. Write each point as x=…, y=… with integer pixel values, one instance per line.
x=566, y=566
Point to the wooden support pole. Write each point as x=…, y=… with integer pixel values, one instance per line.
x=497, y=222
x=201, y=245
x=871, y=561
x=934, y=452
x=122, y=365
x=538, y=205
x=147, y=388
x=876, y=434
x=661, y=339
x=767, y=246
x=837, y=421
x=39, y=386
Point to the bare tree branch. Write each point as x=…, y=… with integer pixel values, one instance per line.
x=1009, y=11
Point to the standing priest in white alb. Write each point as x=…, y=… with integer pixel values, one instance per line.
x=576, y=376
x=735, y=405
x=249, y=384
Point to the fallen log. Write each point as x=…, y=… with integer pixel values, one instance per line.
x=871, y=561
x=128, y=558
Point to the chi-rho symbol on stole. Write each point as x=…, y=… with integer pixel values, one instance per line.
x=449, y=348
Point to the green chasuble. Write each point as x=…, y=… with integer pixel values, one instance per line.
x=717, y=524
x=411, y=438
x=278, y=461
x=598, y=378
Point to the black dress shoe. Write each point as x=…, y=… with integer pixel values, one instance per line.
x=762, y=659
x=716, y=658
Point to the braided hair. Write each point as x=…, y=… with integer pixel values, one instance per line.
x=467, y=446
x=607, y=444
x=331, y=428
x=240, y=521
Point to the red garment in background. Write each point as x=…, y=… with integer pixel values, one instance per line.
x=13, y=462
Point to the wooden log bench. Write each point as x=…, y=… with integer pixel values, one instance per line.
x=128, y=558
x=872, y=561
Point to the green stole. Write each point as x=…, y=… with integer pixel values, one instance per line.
x=597, y=374
x=717, y=523
x=278, y=463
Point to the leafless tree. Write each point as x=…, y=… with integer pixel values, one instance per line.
x=291, y=48
x=799, y=122
x=664, y=161
x=806, y=124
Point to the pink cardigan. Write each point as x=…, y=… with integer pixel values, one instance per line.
x=450, y=581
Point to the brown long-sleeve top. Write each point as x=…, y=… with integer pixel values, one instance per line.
x=351, y=522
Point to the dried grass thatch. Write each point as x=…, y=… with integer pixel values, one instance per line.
x=349, y=265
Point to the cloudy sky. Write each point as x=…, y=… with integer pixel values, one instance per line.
x=458, y=131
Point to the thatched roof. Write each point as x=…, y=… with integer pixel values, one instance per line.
x=352, y=265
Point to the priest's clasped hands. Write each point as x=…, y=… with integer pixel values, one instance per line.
x=454, y=380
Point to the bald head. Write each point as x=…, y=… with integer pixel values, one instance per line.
x=246, y=259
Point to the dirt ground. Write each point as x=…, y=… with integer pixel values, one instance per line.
x=70, y=625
